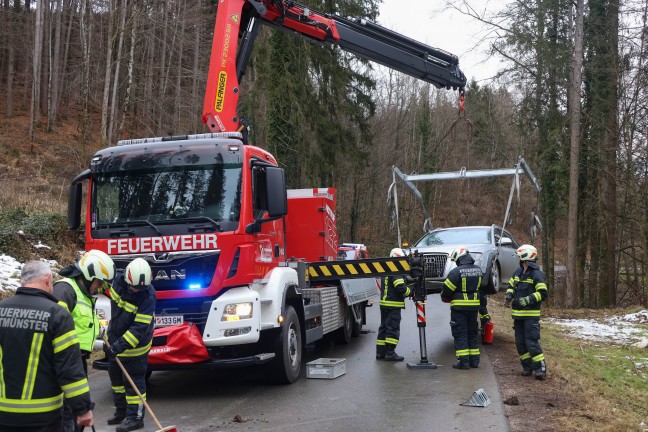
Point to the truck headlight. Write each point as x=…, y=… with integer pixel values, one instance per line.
x=237, y=311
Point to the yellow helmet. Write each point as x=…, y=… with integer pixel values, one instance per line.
x=96, y=264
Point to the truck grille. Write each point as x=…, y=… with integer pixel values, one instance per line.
x=434, y=264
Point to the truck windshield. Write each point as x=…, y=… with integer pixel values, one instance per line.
x=168, y=195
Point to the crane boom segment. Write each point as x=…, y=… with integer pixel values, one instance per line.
x=237, y=25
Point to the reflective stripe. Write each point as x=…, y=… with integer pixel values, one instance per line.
x=119, y=389
x=123, y=304
x=538, y=358
x=391, y=341
x=135, y=400
x=462, y=302
x=130, y=338
x=2, y=383
x=62, y=303
x=537, y=296
x=62, y=342
x=76, y=388
x=136, y=351
x=525, y=356
x=541, y=286
x=462, y=353
x=380, y=342
x=450, y=284
x=473, y=351
x=526, y=313
x=31, y=405
x=408, y=292
x=143, y=318
x=392, y=303
x=32, y=366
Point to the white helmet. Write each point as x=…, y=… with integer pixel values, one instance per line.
x=396, y=252
x=96, y=264
x=527, y=252
x=138, y=273
x=458, y=252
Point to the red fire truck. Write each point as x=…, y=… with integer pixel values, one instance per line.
x=245, y=271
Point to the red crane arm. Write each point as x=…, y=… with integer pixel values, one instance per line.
x=237, y=24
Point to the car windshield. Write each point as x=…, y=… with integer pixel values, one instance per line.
x=456, y=236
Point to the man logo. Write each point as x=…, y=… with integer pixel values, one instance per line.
x=175, y=275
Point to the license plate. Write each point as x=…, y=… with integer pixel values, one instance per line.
x=168, y=320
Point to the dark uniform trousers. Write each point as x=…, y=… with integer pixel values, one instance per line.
x=57, y=426
x=527, y=342
x=465, y=331
x=124, y=396
x=389, y=330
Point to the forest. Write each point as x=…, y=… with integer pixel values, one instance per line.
x=78, y=75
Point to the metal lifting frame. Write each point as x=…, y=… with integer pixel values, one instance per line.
x=520, y=167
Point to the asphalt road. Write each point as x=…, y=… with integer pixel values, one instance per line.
x=371, y=395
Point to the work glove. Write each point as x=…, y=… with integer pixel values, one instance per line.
x=508, y=299
x=446, y=299
x=525, y=301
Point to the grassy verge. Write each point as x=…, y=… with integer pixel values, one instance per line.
x=606, y=384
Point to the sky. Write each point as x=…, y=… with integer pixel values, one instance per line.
x=427, y=22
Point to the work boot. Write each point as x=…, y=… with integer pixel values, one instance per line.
x=130, y=424
x=474, y=365
x=526, y=372
x=380, y=352
x=118, y=417
x=460, y=365
x=392, y=356
x=541, y=371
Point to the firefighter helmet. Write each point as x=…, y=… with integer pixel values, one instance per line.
x=138, y=274
x=458, y=252
x=96, y=264
x=396, y=252
x=527, y=252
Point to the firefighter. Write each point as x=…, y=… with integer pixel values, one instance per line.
x=527, y=289
x=77, y=292
x=40, y=359
x=392, y=300
x=461, y=290
x=130, y=333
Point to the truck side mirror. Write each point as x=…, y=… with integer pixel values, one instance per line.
x=269, y=195
x=74, y=206
x=276, y=192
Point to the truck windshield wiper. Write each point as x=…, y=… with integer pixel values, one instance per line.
x=136, y=222
x=198, y=219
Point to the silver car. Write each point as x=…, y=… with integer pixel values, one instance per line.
x=498, y=264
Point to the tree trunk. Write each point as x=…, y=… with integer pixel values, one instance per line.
x=55, y=78
x=177, y=101
x=572, y=295
x=131, y=63
x=120, y=44
x=107, y=75
x=85, y=33
x=36, y=69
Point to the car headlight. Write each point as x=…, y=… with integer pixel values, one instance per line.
x=237, y=311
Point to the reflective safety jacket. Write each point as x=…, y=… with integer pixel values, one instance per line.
x=462, y=285
x=527, y=284
x=394, y=292
x=82, y=307
x=130, y=331
x=40, y=361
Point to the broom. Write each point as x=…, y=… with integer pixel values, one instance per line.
x=148, y=408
